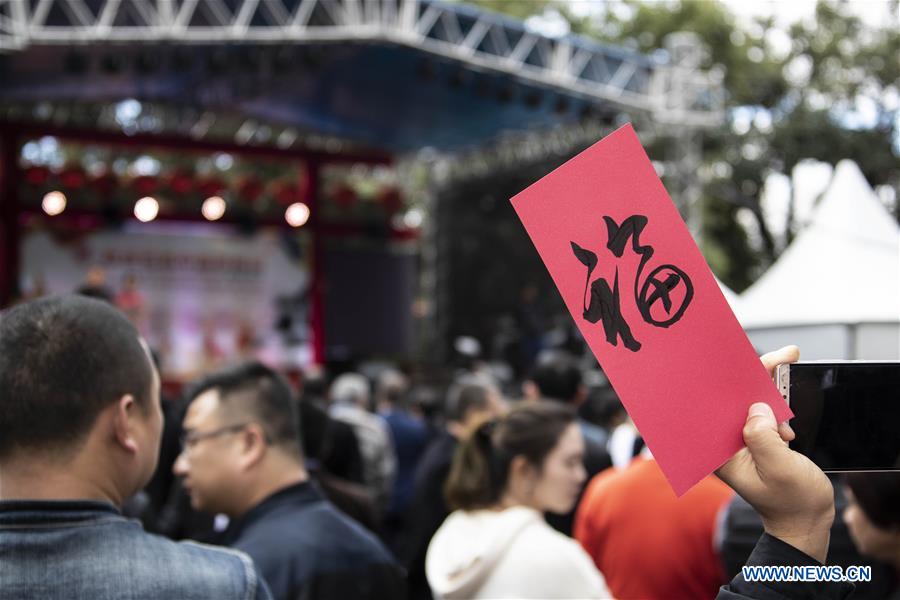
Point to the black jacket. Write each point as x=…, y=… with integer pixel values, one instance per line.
x=742, y=527
x=305, y=549
x=772, y=551
x=426, y=511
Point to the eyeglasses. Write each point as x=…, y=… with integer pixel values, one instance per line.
x=191, y=438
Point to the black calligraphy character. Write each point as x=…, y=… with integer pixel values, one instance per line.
x=618, y=237
x=604, y=304
x=657, y=286
x=660, y=291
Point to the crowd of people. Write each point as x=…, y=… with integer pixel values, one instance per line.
x=342, y=485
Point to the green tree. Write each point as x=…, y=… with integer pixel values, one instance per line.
x=806, y=97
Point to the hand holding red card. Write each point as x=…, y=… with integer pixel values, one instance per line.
x=648, y=305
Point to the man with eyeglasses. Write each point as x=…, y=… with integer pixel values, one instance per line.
x=241, y=456
x=80, y=426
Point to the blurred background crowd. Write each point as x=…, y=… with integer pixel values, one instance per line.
x=322, y=186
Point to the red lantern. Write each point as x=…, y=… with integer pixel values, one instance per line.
x=250, y=189
x=72, y=177
x=145, y=184
x=390, y=199
x=303, y=185
x=344, y=195
x=37, y=175
x=286, y=193
x=181, y=183
x=104, y=183
x=210, y=187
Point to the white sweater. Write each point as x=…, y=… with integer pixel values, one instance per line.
x=508, y=554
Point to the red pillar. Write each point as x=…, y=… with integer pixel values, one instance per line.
x=317, y=282
x=9, y=217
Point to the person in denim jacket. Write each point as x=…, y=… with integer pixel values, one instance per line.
x=80, y=426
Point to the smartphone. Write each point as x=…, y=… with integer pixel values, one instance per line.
x=846, y=413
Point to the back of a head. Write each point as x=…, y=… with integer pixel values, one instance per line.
x=351, y=388
x=63, y=360
x=605, y=408
x=314, y=386
x=426, y=399
x=254, y=390
x=391, y=387
x=481, y=465
x=313, y=427
x=878, y=494
x=557, y=377
x=469, y=394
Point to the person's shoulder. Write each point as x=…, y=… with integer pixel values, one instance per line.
x=339, y=428
x=363, y=421
x=354, y=535
x=539, y=534
x=220, y=572
x=377, y=423
x=206, y=554
x=640, y=473
x=337, y=541
x=547, y=548
x=600, y=483
x=438, y=452
x=713, y=489
x=318, y=527
x=404, y=423
x=593, y=434
x=214, y=556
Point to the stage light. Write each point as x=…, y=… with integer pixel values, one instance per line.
x=297, y=214
x=426, y=70
x=54, y=203
x=532, y=99
x=213, y=208
x=146, y=209
x=413, y=218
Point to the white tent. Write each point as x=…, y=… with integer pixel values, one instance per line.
x=835, y=291
x=730, y=297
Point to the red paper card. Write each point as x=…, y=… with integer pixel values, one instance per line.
x=648, y=305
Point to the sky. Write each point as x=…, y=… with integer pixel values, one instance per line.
x=810, y=178
x=872, y=12
x=786, y=12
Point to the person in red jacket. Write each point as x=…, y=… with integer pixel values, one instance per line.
x=648, y=542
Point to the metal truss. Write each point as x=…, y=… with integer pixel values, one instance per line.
x=479, y=39
x=510, y=152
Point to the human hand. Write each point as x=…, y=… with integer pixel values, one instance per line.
x=791, y=494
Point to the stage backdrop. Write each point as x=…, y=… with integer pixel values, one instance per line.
x=203, y=296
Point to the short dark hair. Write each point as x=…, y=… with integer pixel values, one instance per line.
x=480, y=469
x=466, y=395
x=557, y=377
x=260, y=391
x=63, y=360
x=878, y=494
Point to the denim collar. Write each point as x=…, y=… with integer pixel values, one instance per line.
x=15, y=513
